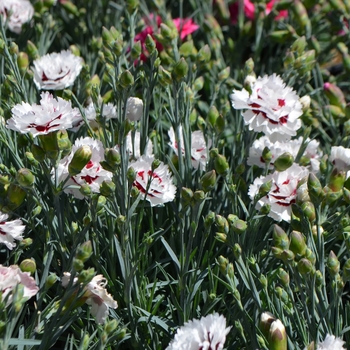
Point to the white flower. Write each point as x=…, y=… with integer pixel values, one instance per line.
x=56, y=71
x=96, y=294
x=10, y=231
x=10, y=277
x=133, y=146
x=272, y=108
x=16, y=13
x=331, y=343
x=92, y=174
x=283, y=191
x=157, y=186
x=134, y=109
x=311, y=153
x=51, y=115
x=340, y=158
x=205, y=334
x=199, y=148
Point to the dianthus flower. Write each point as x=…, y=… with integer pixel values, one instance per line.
x=92, y=174
x=56, y=71
x=16, y=13
x=205, y=334
x=12, y=276
x=10, y=231
x=199, y=149
x=96, y=295
x=272, y=108
x=340, y=158
x=283, y=191
x=51, y=115
x=157, y=184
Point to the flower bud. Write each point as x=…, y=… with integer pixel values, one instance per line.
x=84, y=251
x=305, y=102
x=221, y=224
x=78, y=265
x=221, y=165
x=283, y=277
x=209, y=219
x=333, y=264
x=50, y=280
x=223, y=262
x=164, y=76
x=346, y=271
x=180, y=69
x=299, y=45
x=315, y=189
x=28, y=265
x=150, y=44
x=224, y=74
x=301, y=15
x=297, y=243
x=38, y=152
x=208, y=181
x=25, y=243
x=287, y=256
x=265, y=188
x=131, y=6
x=187, y=48
x=308, y=209
x=107, y=188
x=86, y=276
x=335, y=95
x=22, y=61
x=220, y=123
x=80, y=159
x=319, y=280
x=337, y=180
x=213, y=115
x=70, y=8
x=239, y=226
x=25, y=178
x=186, y=194
x=280, y=238
x=15, y=195
x=284, y=161
x=305, y=266
x=63, y=142
x=237, y=251
x=266, y=319
x=277, y=336
x=49, y=145
x=221, y=237
x=199, y=196
x=204, y=54
x=266, y=155
x=112, y=157
x=126, y=79
x=134, y=108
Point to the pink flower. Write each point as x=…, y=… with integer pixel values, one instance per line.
x=249, y=10
x=10, y=277
x=185, y=27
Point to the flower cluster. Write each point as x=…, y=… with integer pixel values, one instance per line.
x=95, y=295
x=10, y=278
x=275, y=109
x=207, y=333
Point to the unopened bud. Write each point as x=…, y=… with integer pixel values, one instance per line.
x=180, y=69
x=277, y=336
x=84, y=251
x=284, y=161
x=222, y=224
x=25, y=177
x=305, y=266
x=126, y=79
x=335, y=95
x=283, y=277
x=150, y=44
x=213, y=115
x=333, y=264
x=239, y=226
x=204, y=54
x=209, y=219
x=80, y=159
x=221, y=165
x=280, y=238
x=15, y=195
x=28, y=265
x=315, y=189
x=107, y=188
x=308, y=209
x=208, y=181
x=266, y=319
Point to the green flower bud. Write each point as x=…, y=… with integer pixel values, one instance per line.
x=239, y=226
x=346, y=271
x=265, y=209
x=209, y=219
x=22, y=61
x=283, y=277
x=38, y=152
x=213, y=115
x=297, y=243
x=131, y=6
x=309, y=255
x=85, y=190
x=249, y=67
x=150, y=44
x=50, y=280
x=204, y=54
x=237, y=251
x=186, y=49
x=299, y=45
x=266, y=155
x=28, y=265
x=164, y=76
x=49, y=145
x=199, y=196
x=70, y=8
x=80, y=159
x=221, y=165
x=277, y=336
x=287, y=256
x=223, y=262
x=126, y=79
x=284, y=161
x=305, y=266
x=315, y=189
x=25, y=178
x=265, y=188
x=107, y=188
x=78, y=265
x=25, y=243
x=180, y=70
x=136, y=50
x=208, y=181
x=15, y=195
x=280, y=238
x=111, y=326
x=319, y=278
x=309, y=210
x=101, y=202
x=86, y=276
x=63, y=142
x=220, y=123
x=280, y=36
x=112, y=157
x=224, y=74
x=333, y=264
x=221, y=224
x=337, y=180
x=84, y=251
x=221, y=237
x=187, y=194
x=335, y=95
x=301, y=15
